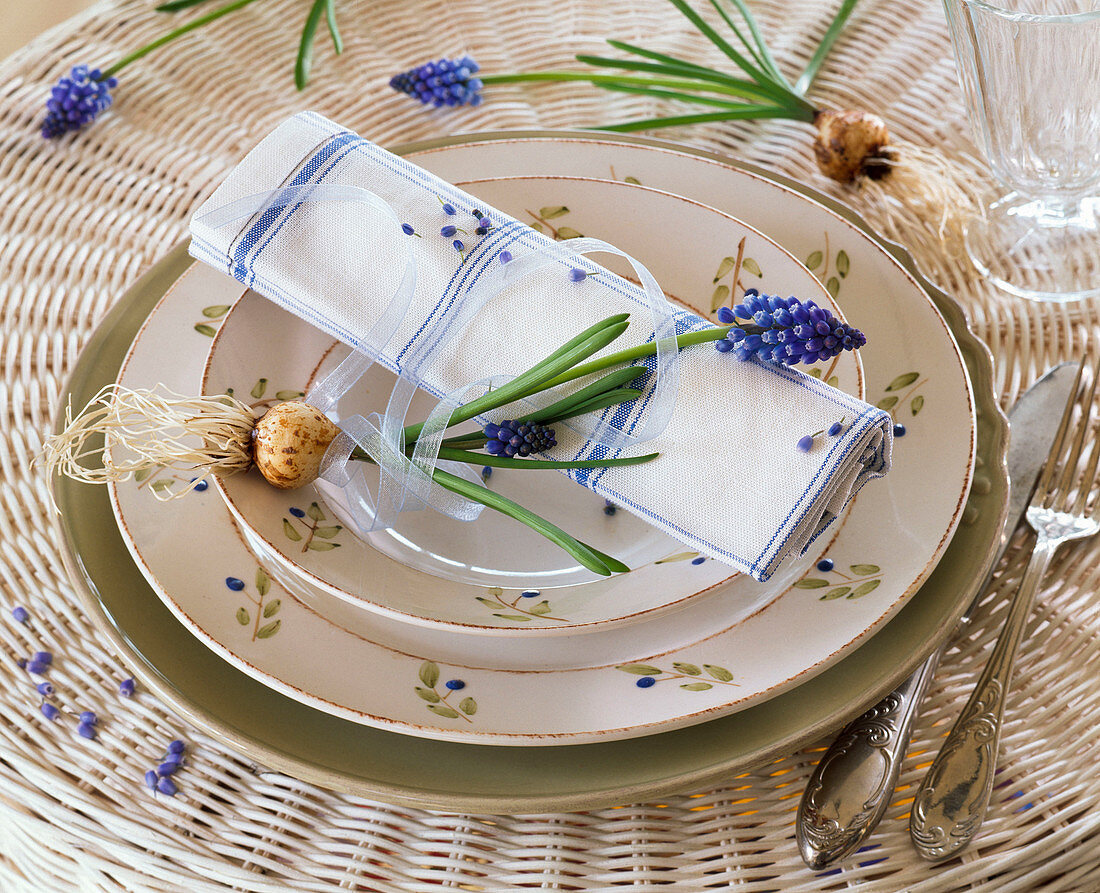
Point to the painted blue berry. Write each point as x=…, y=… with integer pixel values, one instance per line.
x=166, y=786
x=89, y=718
x=200, y=486
x=297, y=512
x=646, y=682
x=176, y=746
x=577, y=275
x=151, y=780
x=43, y=657
x=825, y=565
x=126, y=687
x=20, y=614
x=609, y=508
x=448, y=231
x=234, y=584
x=45, y=689
x=899, y=430
x=86, y=730
x=455, y=684
x=805, y=444
x=698, y=560
x=531, y=593
x=505, y=257
x=49, y=711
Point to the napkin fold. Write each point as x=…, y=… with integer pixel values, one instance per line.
x=729, y=482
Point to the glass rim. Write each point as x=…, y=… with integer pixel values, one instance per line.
x=1030, y=17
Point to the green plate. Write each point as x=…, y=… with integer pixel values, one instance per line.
x=283, y=734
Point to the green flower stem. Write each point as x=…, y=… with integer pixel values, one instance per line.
x=589, y=557
x=748, y=113
x=450, y=454
x=835, y=27
x=304, y=61
x=693, y=78
x=172, y=35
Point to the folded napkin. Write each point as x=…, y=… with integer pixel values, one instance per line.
x=729, y=482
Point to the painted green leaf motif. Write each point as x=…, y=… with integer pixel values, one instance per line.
x=903, y=381
x=567, y=232
x=679, y=556
x=696, y=686
x=258, y=388
x=916, y=404
x=816, y=372
x=721, y=294
x=833, y=381
x=687, y=669
x=843, y=264
x=486, y=601
x=268, y=630
x=314, y=511
x=289, y=395
x=633, y=180
x=468, y=706
x=719, y=673
x=836, y=593
x=141, y=474
x=242, y=616
x=537, y=227
x=523, y=618
x=161, y=486
x=291, y=533
x=724, y=267
x=315, y=546
x=864, y=570
x=327, y=532
x=811, y=583
x=863, y=588
x=887, y=403
x=833, y=286
x=263, y=582
x=641, y=669
x=751, y=266
x=203, y=329
x=541, y=608
x=429, y=673
x=215, y=311
x=814, y=260
x=428, y=695
x=272, y=608
x=552, y=211
x=443, y=710
x=495, y=590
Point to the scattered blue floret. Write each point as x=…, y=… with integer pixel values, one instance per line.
x=126, y=687
x=76, y=100
x=449, y=82
x=785, y=330
x=20, y=614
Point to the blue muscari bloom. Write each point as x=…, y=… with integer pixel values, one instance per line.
x=76, y=100
x=518, y=438
x=785, y=330
x=448, y=82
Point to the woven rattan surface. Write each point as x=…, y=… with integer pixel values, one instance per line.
x=81, y=218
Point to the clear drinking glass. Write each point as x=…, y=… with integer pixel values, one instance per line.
x=1030, y=71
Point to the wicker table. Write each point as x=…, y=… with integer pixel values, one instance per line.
x=83, y=217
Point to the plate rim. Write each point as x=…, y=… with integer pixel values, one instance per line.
x=982, y=383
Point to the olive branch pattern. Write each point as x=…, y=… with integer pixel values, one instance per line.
x=311, y=528
x=903, y=391
x=651, y=675
x=862, y=579
x=818, y=263
x=439, y=703
x=212, y=314
x=261, y=610
x=542, y=224
x=732, y=266
x=514, y=610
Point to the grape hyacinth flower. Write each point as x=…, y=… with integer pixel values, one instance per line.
x=76, y=100
x=784, y=330
x=449, y=82
x=512, y=438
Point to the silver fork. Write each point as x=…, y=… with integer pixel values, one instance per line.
x=951, y=803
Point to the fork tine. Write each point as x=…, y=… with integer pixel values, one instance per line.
x=1087, y=484
x=1070, y=470
x=1044, y=485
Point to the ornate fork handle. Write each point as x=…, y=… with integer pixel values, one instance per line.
x=951, y=802
x=852, y=784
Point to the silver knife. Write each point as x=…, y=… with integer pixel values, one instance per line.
x=851, y=787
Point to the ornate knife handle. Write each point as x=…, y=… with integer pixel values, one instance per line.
x=851, y=787
x=952, y=800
